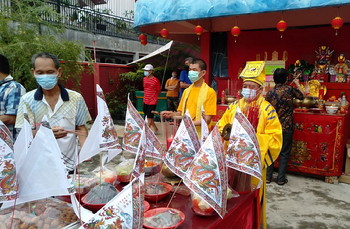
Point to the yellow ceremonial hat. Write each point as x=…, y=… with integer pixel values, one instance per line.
x=254, y=71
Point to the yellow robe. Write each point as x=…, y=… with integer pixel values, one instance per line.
x=269, y=135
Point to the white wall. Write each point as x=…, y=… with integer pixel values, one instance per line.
x=118, y=7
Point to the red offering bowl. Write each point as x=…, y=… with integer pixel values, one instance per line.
x=110, y=180
x=146, y=206
x=92, y=207
x=67, y=199
x=156, y=211
x=124, y=178
x=157, y=197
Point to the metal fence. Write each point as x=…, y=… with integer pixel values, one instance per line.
x=93, y=21
x=86, y=19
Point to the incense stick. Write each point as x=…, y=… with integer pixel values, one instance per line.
x=174, y=193
x=297, y=76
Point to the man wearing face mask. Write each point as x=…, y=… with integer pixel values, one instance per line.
x=172, y=95
x=65, y=109
x=264, y=119
x=197, y=96
x=185, y=82
x=151, y=88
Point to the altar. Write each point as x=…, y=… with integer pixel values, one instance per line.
x=319, y=142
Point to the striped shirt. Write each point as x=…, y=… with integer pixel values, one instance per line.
x=10, y=94
x=69, y=112
x=151, y=87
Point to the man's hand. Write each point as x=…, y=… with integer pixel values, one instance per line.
x=296, y=81
x=59, y=132
x=167, y=114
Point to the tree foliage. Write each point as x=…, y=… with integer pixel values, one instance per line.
x=28, y=27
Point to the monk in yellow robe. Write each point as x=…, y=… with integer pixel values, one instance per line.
x=264, y=119
x=197, y=96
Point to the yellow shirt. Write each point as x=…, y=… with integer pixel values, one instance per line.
x=172, y=82
x=191, y=103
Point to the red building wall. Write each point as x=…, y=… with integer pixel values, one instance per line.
x=106, y=75
x=300, y=44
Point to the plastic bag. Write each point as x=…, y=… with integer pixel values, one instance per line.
x=124, y=170
x=105, y=174
x=84, y=183
x=45, y=213
x=125, y=167
x=101, y=194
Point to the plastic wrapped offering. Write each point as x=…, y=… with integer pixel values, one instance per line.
x=152, y=166
x=163, y=218
x=84, y=183
x=155, y=191
x=105, y=174
x=200, y=207
x=124, y=170
x=155, y=188
x=101, y=194
x=40, y=214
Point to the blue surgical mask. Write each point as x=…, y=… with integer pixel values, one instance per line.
x=193, y=76
x=248, y=93
x=46, y=81
x=145, y=73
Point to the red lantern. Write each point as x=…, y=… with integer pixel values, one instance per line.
x=198, y=30
x=164, y=33
x=235, y=31
x=144, y=42
x=282, y=26
x=142, y=37
x=337, y=23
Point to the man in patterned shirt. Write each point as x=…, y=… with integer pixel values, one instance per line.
x=65, y=109
x=10, y=94
x=281, y=98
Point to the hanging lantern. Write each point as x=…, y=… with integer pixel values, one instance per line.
x=235, y=31
x=337, y=23
x=282, y=26
x=164, y=33
x=144, y=42
x=142, y=37
x=198, y=30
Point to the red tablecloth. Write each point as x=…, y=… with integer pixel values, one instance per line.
x=319, y=144
x=242, y=213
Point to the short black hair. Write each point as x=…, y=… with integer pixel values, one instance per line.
x=4, y=65
x=201, y=63
x=46, y=55
x=280, y=76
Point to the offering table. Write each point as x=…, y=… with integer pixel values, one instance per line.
x=319, y=143
x=242, y=212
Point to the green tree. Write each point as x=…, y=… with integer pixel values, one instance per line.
x=31, y=26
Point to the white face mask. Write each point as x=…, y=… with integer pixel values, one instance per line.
x=248, y=93
x=47, y=81
x=193, y=76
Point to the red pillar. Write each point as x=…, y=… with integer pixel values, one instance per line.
x=96, y=81
x=205, y=54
